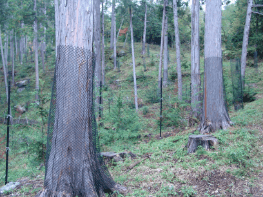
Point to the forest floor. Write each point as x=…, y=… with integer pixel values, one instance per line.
x=234, y=168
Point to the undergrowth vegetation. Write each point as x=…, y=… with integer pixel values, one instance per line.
x=164, y=168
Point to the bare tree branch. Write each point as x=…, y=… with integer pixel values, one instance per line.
x=257, y=13
x=257, y=6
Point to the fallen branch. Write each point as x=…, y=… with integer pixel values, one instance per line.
x=147, y=156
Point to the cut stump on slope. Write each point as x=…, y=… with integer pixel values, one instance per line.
x=205, y=141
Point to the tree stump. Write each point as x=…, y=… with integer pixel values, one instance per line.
x=201, y=140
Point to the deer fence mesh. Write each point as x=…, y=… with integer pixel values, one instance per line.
x=237, y=84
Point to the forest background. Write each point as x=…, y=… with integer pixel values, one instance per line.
x=121, y=128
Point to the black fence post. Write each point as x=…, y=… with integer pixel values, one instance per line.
x=161, y=107
x=7, y=142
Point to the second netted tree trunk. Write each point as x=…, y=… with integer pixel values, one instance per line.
x=215, y=115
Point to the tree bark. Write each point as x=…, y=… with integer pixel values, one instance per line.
x=245, y=40
x=165, y=53
x=102, y=47
x=4, y=67
x=161, y=47
x=177, y=44
x=112, y=25
x=195, y=61
x=73, y=166
x=133, y=64
x=144, y=36
x=215, y=115
x=36, y=49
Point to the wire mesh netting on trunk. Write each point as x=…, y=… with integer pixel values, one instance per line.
x=73, y=153
x=236, y=83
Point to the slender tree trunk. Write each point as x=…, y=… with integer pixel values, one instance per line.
x=113, y=24
x=102, y=47
x=43, y=55
x=25, y=47
x=6, y=51
x=144, y=36
x=165, y=53
x=161, y=47
x=4, y=67
x=245, y=40
x=215, y=115
x=42, y=49
x=133, y=64
x=125, y=39
x=22, y=41
x=12, y=56
x=36, y=49
x=97, y=47
x=115, y=49
x=119, y=29
x=177, y=44
x=74, y=166
x=195, y=61
x=16, y=47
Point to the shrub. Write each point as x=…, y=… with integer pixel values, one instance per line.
x=145, y=110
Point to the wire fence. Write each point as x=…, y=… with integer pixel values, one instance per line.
x=27, y=128
x=117, y=119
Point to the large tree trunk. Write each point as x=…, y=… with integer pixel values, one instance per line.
x=144, y=36
x=97, y=47
x=74, y=165
x=195, y=61
x=133, y=64
x=161, y=47
x=36, y=49
x=113, y=24
x=102, y=47
x=245, y=40
x=215, y=115
x=4, y=66
x=177, y=44
x=165, y=53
